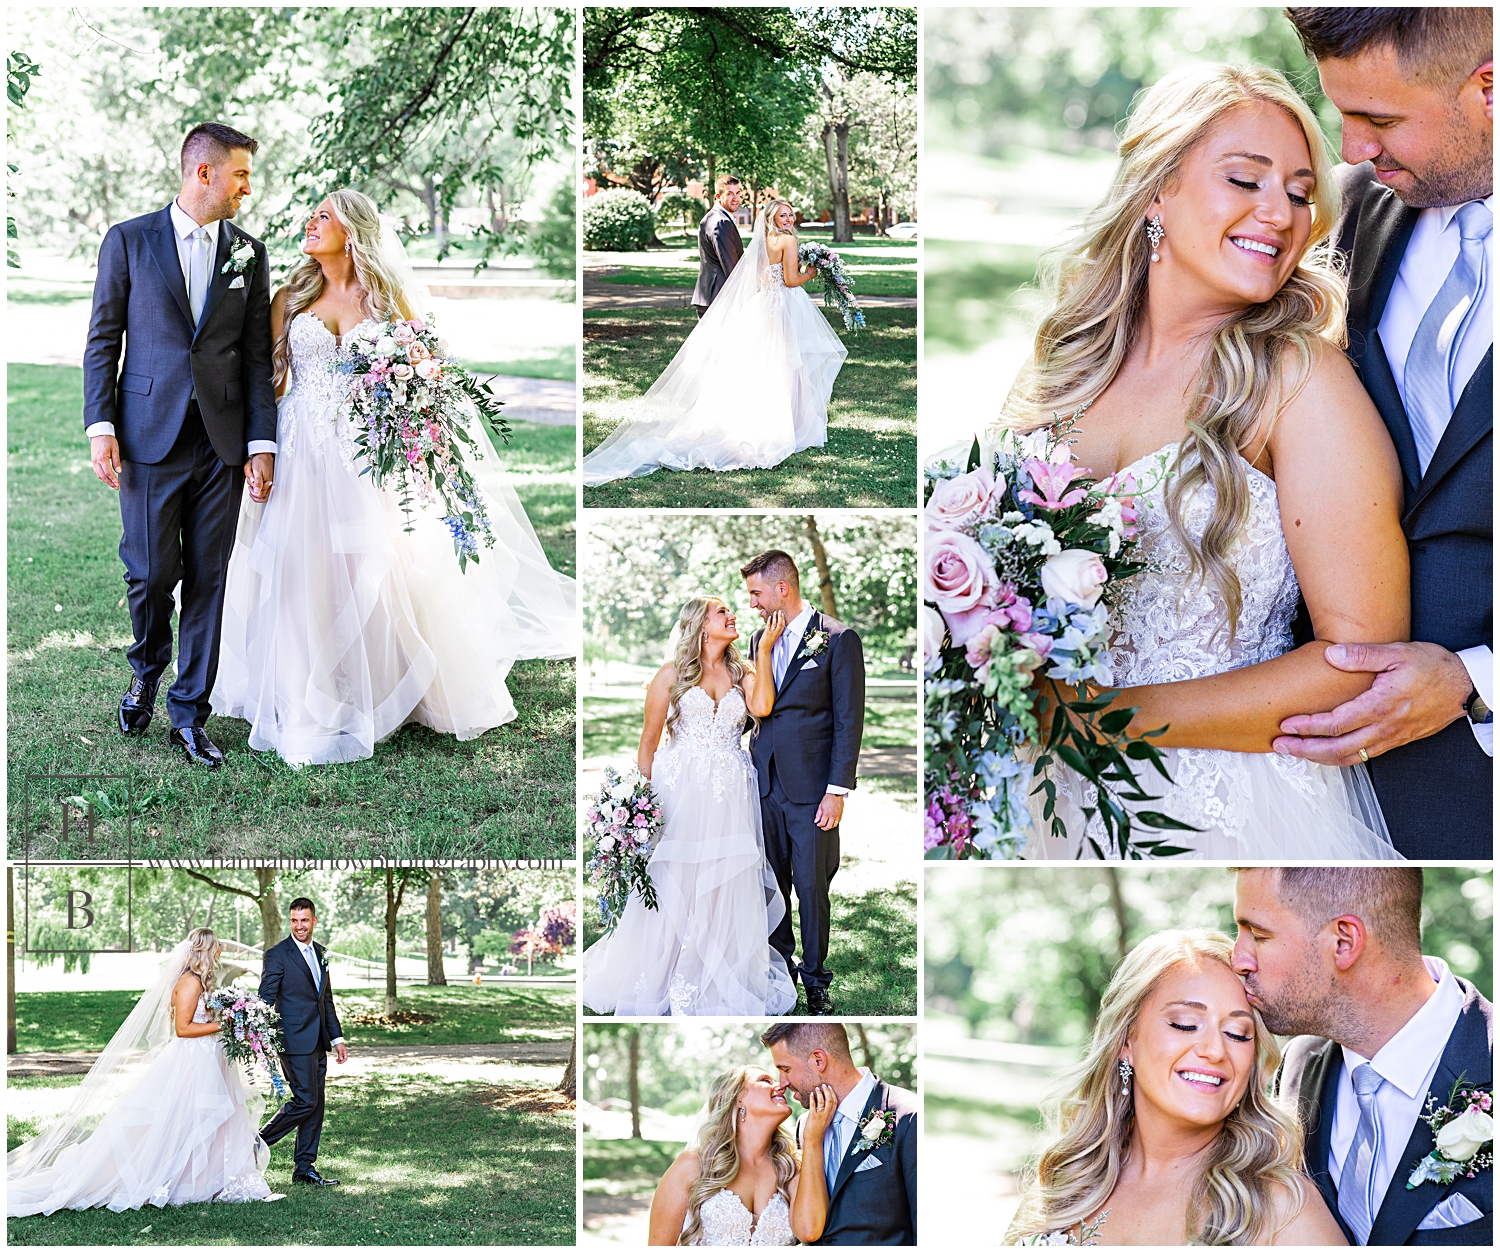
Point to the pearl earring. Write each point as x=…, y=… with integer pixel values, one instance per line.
x=742, y=1113
x=1155, y=234
x=1126, y=1070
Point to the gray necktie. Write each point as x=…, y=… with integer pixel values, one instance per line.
x=1357, y=1201
x=1430, y=385
x=197, y=272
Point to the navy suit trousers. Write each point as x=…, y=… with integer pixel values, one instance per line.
x=804, y=857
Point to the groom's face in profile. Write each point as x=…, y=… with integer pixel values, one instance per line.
x=1277, y=958
x=226, y=184
x=766, y=597
x=798, y=1075
x=303, y=922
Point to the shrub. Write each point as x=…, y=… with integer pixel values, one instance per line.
x=678, y=206
x=619, y=220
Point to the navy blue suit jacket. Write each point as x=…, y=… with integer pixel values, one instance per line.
x=309, y=1022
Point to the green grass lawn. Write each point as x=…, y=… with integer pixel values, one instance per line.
x=627, y=1166
x=541, y=363
x=974, y=293
x=421, y=1161
x=82, y=1022
x=870, y=458
x=508, y=793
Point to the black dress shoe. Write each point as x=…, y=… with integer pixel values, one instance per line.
x=136, y=707
x=196, y=747
x=819, y=1002
x=311, y=1176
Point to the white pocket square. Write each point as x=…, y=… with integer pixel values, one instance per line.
x=1454, y=1211
x=239, y=281
x=868, y=1164
x=809, y=664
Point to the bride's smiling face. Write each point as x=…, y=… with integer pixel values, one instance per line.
x=786, y=220
x=325, y=235
x=1238, y=217
x=762, y=1098
x=1193, y=1046
x=720, y=623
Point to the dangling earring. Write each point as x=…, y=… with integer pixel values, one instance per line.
x=1126, y=1070
x=742, y=1113
x=1155, y=234
x=348, y=248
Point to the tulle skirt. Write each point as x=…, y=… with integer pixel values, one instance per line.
x=705, y=949
x=1246, y=806
x=186, y=1132
x=340, y=625
x=748, y=388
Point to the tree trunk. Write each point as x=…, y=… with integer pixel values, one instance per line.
x=1117, y=902
x=713, y=166
x=635, y=1084
x=820, y=559
x=435, y=976
x=270, y=911
x=569, y=1084
x=864, y=1044
x=10, y=960
x=393, y=897
x=836, y=157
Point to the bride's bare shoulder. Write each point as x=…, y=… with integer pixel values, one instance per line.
x=1305, y=1221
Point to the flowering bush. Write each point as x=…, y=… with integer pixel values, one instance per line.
x=250, y=1030
x=1024, y=552
x=552, y=936
x=618, y=220
x=623, y=821
x=837, y=286
x=406, y=403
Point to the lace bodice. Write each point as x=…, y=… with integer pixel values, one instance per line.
x=727, y=1223
x=201, y=1014
x=1173, y=627
x=316, y=392
x=710, y=735
x=773, y=281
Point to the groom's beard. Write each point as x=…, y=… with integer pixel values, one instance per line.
x=1300, y=1007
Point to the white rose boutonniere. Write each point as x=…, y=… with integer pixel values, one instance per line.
x=814, y=642
x=879, y=1128
x=241, y=258
x=1463, y=1130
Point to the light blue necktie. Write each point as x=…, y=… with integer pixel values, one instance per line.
x=1431, y=389
x=198, y=272
x=310, y=956
x=1357, y=1202
x=781, y=655
x=833, y=1152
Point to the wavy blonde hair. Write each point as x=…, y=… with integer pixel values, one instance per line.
x=717, y=1150
x=1257, y=360
x=384, y=294
x=774, y=231
x=202, y=957
x=1255, y=1163
x=687, y=658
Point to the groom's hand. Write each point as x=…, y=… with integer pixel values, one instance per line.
x=105, y=451
x=341, y=1052
x=259, y=473
x=1419, y=689
x=830, y=810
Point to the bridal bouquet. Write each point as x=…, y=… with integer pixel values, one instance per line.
x=405, y=404
x=624, y=819
x=837, y=293
x=250, y=1030
x=1024, y=555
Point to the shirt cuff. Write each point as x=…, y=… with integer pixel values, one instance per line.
x=339, y=1041
x=1480, y=663
x=837, y=791
x=262, y=445
x=99, y=428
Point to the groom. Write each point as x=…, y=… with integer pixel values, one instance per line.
x=295, y=979
x=1334, y=956
x=1415, y=88
x=870, y=1166
x=806, y=753
x=190, y=416
x=719, y=245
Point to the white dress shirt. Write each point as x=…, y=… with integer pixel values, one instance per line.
x=315, y=968
x=1430, y=254
x=183, y=229
x=782, y=653
x=846, y=1123
x=1406, y=1062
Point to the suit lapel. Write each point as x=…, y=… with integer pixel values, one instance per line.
x=1381, y=384
x=1471, y=422
x=852, y=1155
x=219, y=280
x=163, y=245
x=1385, y=227
x=1322, y=1077
x=814, y=623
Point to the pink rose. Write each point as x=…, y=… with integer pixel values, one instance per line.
x=1076, y=576
x=959, y=580
x=417, y=352
x=961, y=502
x=402, y=371
x=403, y=334
x=427, y=368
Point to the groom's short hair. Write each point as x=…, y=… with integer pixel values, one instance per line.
x=802, y=1038
x=775, y=565
x=723, y=183
x=213, y=142
x=302, y=903
x=1388, y=899
x=1436, y=46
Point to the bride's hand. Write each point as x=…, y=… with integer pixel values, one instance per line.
x=775, y=625
x=825, y=1104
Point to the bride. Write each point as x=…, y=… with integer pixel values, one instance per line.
x=1166, y=1133
x=750, y=385
x=743, y=1181
x=706, y=948
x=162, y=1118
x=1194, y=336
x=340, y=626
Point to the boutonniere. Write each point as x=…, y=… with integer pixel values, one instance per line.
x=814, y=642
x=1464, y=1131
x=879, y=1128
x=241, y=258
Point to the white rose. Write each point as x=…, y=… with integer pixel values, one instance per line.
x=606, y=843
x=875, y=1127
x=1460, y=1139
x=933, y=630
x=426, y=368
x=402, y=371
x=1076, y=576
x=385, y=346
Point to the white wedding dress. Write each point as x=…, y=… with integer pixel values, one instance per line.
x=340, y=625
x=159, y=1120
x=1247, y=806
x=749, y=387
x=706, y=948
x=728, y=1224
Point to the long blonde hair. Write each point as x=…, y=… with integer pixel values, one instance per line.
x=384, y=294
x=772, y=230
x=1095, y=289
x=202, y=957
x=1254, y=1163
x=717, y=1150
x=687, y=658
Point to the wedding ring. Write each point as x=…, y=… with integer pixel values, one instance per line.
x=1364, y=756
